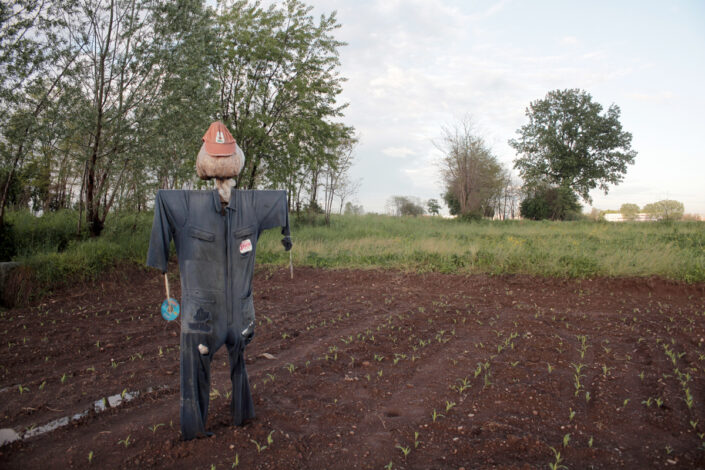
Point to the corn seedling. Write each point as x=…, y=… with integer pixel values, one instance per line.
x=435, y=415
x=154, y=427
x=262, y=447
x=126, y=442
x=647, y=402
x=693, y=424
x=63, y=378
x=449, y=405
x=556, y=465
x=404, y=450
x=22, y=389
x=291, y=368
x=590, y=442
x=416, y=440
x=583, y=345
x=566, y=440
x=571, y=415
x=41, y=387
x=389, y=465
x=688, y=398
x=90, y=457
x=576, y=377
x=550, y=367
x=464, y=385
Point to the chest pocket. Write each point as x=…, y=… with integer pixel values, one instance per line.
x=245, y=240
x=201, y=234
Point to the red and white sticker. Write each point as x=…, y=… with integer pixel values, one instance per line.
x=245, y=246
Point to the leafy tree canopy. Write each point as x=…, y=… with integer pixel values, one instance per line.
x=405, y=205
x=433, y=206
x=665, y=210
x=629, y=211
x=570, y=142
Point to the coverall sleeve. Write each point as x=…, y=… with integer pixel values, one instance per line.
x=273, y=211
x=169, y=214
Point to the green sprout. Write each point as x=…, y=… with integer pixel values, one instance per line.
x=557, y=464
x=154, y=427
x=126, y=442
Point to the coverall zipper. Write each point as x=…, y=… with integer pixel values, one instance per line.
x=228, y=300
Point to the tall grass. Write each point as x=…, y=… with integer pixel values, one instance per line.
x=563, y=249
x=56, y=255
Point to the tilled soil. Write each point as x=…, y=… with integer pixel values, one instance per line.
x=371, y=369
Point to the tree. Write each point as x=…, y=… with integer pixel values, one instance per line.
x=335, y=175
x=405, y=205
x=279, y=84
x=550, y=202
x=629, y=211
x=34, y=57
x=434, y=208
x=472, y=175
x=569, y=142
x=353, y=209
x=666, y=210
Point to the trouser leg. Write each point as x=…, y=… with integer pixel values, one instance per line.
x=241, y=406
x=195, y=385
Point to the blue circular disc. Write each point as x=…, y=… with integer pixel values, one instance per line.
x=170, y=309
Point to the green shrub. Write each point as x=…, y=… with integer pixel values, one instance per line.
x=549, y=202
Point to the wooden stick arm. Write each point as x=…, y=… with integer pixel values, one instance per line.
x=166, y=286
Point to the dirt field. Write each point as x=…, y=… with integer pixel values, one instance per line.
x=367, y=366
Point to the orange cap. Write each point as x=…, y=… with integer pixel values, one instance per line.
x=218, y=140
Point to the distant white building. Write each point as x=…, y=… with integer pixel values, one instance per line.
x=618, y=217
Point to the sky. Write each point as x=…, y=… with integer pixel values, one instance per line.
x=414, y=67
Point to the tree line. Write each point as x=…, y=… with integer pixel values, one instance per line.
x=104, y=101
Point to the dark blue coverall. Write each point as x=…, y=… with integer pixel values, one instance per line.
x=216, y=252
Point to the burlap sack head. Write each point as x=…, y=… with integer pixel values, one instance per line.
x=208, y=166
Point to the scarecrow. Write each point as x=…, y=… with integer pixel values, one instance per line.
x=215, y=233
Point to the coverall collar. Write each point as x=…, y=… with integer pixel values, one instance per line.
x=216, y=201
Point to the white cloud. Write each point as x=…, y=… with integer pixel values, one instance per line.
x=658, y=97
x=398, y=152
